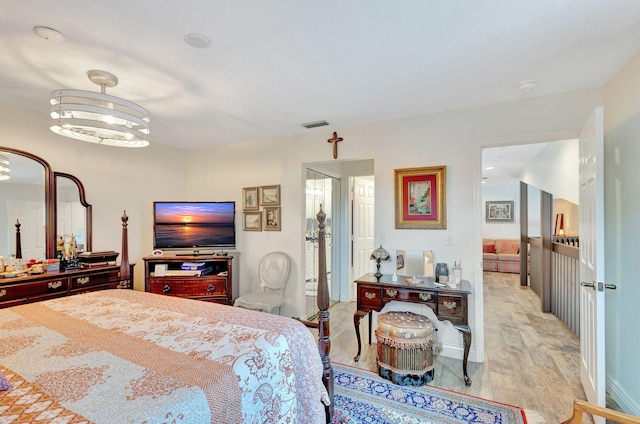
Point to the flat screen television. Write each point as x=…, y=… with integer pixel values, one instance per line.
x=195, y=225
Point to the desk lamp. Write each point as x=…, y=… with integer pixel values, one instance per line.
x=379, y=255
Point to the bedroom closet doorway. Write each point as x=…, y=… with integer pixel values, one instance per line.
x=320, y=189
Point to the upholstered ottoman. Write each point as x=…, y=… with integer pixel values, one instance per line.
x=406, y=346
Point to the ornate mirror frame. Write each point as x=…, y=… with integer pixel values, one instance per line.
x=50, y=201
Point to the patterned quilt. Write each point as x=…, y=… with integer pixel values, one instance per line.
x=133, y=357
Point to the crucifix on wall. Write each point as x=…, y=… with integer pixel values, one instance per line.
x=335, y=140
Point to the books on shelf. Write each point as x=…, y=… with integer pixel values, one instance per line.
x=187, y=272
x=192, y=265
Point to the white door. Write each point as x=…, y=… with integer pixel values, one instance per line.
x=363, y=226
x=592, y=317
x=32, y=229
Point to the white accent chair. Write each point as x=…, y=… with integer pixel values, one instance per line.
x=273, y=272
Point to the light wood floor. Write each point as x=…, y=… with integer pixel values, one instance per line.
x=531, y=358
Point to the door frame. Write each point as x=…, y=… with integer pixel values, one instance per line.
x=478, y=331
x=343, y=169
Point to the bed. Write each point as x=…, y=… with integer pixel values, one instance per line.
x=133, y=357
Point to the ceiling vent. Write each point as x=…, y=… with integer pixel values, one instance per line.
x=316, y=124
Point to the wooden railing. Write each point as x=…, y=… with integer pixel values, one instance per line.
x=565, y=279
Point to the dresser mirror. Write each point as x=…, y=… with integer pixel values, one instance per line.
x=73, y=213
x=31, y=196
x=417, y=263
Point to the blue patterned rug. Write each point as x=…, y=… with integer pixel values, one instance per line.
x=361, y=396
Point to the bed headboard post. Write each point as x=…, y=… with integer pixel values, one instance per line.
x=125, y=269
x=324, y=343
x=18, y=241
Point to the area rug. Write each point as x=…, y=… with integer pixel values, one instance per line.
x=361, y=396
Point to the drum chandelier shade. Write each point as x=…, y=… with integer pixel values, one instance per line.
x=4, y=168
x=98, y=117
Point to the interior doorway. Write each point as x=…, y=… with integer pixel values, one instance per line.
x=330, y=183
x=321, y=190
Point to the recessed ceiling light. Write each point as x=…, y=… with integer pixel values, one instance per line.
x=49, y=34
x=195, y=39
x=489, y=168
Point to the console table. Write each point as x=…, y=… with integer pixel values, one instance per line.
x=449, y=304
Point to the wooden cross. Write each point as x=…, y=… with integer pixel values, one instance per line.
x=335, y=140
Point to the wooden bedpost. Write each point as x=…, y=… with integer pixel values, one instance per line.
x=125, y=269
x=18, y=241
x=324, y=343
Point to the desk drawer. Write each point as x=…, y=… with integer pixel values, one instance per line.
x=408, y=295
x=452, y=308
x=369, y=296
x=190, y=287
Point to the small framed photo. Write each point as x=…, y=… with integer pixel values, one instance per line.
x=270, y=195
x=250, y=200
x=272, y=218
x=252, y=221
x=499, y=211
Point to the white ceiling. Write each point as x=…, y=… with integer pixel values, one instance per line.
x=502, y=165
x=274, y=65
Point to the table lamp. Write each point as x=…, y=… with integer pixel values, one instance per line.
x=379, y=255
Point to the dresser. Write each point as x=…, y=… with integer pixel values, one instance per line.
x=49, y=285
x=448, y=304
x=215, y=280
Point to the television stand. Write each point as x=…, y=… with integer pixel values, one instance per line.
x=218, y=284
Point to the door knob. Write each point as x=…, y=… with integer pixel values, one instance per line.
x=610, y=286
x=592, y=284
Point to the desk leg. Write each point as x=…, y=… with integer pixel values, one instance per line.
x=370, y=326
x=356, y=323
x=466, y=338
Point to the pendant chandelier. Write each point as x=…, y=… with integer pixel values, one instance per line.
x=98, y=117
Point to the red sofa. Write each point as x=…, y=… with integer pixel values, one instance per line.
x=501, y=255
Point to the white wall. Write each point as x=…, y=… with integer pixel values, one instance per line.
x=622, y=232
x=555, y=170
x=502, y=230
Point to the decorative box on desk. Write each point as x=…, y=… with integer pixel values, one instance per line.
x=214, y=279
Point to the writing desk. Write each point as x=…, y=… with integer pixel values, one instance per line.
x=448, y=304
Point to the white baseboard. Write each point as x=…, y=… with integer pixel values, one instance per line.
x=624, y=401
x=457, y=352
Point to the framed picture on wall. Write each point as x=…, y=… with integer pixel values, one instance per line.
x=252, y=221
x=499, y=211
x=420, y=198
x=270, y=195
x=250, y=200
x=272, y=218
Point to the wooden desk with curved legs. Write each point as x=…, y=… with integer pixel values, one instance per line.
x=448, y=304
